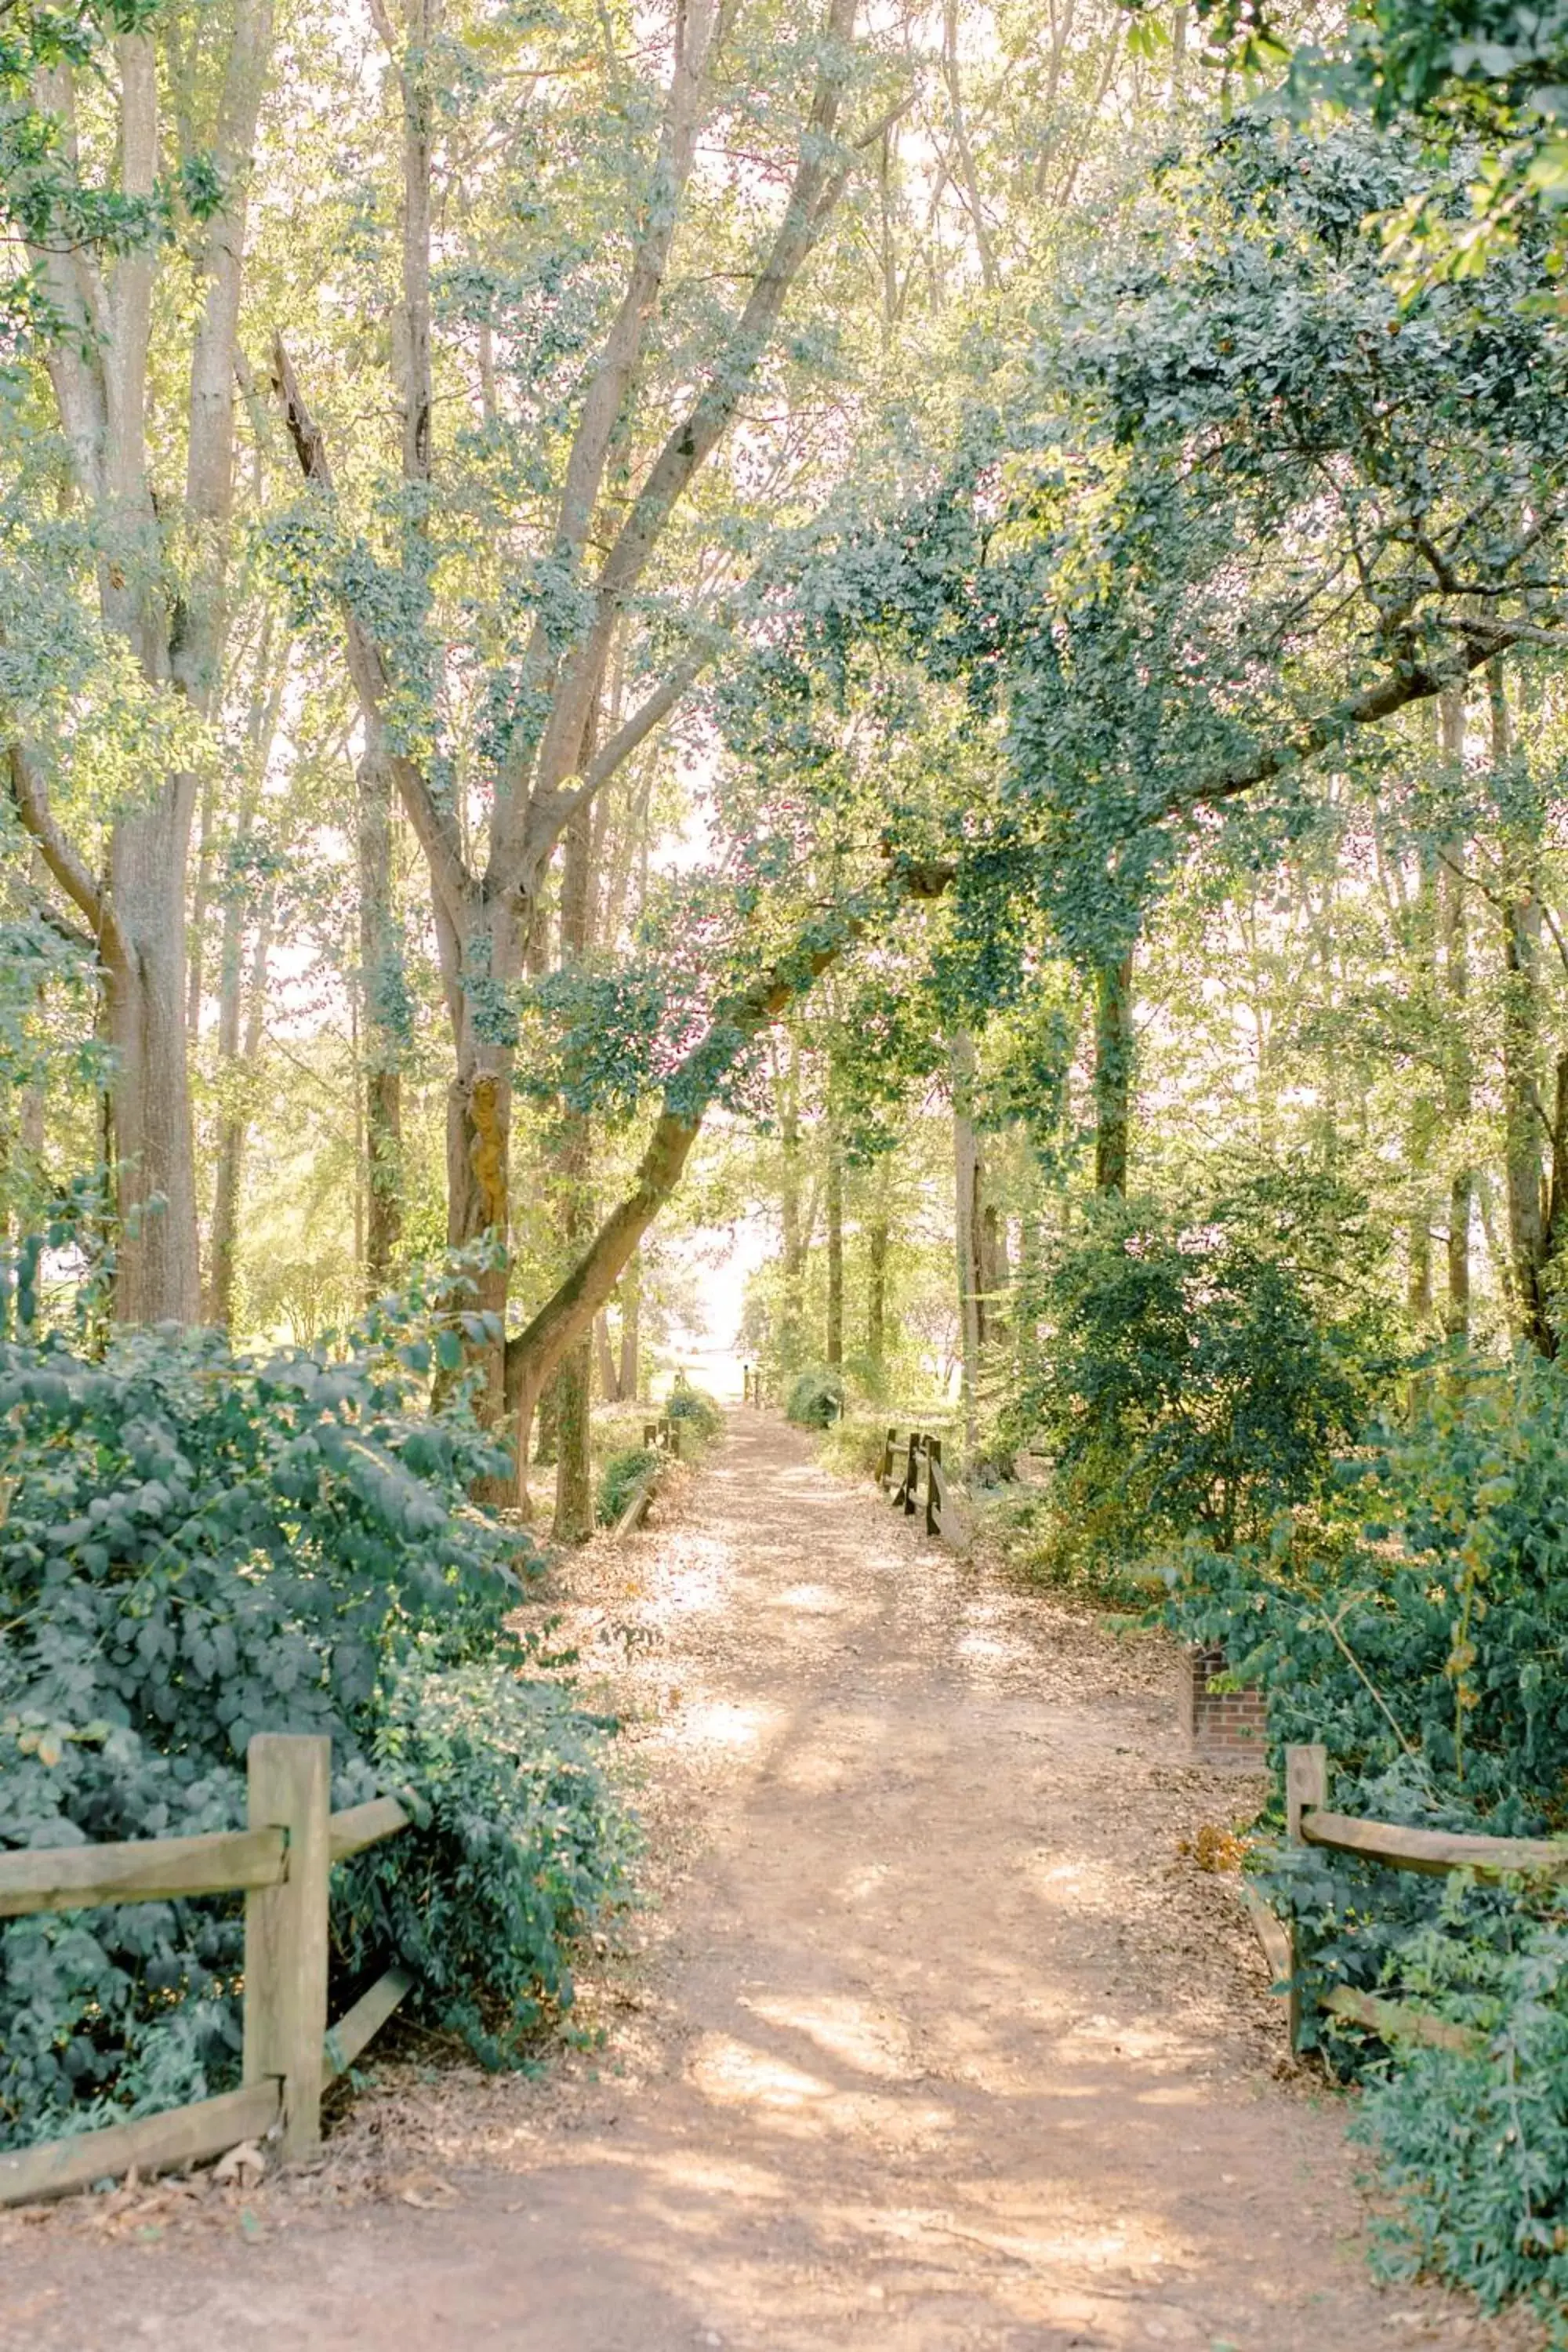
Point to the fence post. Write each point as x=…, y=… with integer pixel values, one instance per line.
x=912, y=1475
x=1306, y=1787
x=289, y=1788
x=933, y=1471
x=885, y=1467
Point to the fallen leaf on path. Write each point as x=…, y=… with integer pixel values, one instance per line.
x=426, y=2191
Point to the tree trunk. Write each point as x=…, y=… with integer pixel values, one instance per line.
x=1524, y=1123
x=833, y=1336
x=1456, y=1075
x=631, y=1331
x=609, y=1381
x=1112, y=1075
x=381, y=1034
x=792, y=1317
x=157, y=1276
x=966, y=1228
x=876, y=1304
x=573, y=1164
x=238, y=1060
x=573, y=1521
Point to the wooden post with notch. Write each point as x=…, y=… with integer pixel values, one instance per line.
x=912, y=1476
x=933, y=1482
x=286, y=1946
x=1305, y=1790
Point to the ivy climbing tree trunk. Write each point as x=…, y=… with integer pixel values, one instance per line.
x=1112, y=1075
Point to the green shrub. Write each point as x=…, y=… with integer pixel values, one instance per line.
x=1416, y=1621
x=816, y=1400
x=695, y=1407
x=619, y=1476
x=853, y=1445
x=196, y=1547
x=519, y=1843
x=1191, y=1375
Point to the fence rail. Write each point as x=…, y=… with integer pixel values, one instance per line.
x=282, y=1864
x=1309, y=1822
x=921, y=1451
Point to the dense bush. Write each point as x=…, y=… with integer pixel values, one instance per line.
x=1189, y=1374
x=193, y=1547
x=1416, y=1621
x=816, y=1398
x=619, y=1476
x=519, y=1845
x=695, y=1407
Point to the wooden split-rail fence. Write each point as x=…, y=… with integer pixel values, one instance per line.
x=1309, y=1822
x=282, y=1864
x=905, y=1464
x=661, y=1437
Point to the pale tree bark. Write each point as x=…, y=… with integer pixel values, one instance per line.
x=792, y=1317
x=163, y=573
x=631, y=1329
x=833, y=1189
x=604, y=1358
x=239, y=1059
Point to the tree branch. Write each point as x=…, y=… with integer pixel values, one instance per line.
x=550, y=814
x=434, y=826
x=691, y=442
x=30, y=798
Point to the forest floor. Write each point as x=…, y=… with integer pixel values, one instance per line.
x=931, y=2038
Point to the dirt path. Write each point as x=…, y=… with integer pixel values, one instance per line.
x=940, y=2047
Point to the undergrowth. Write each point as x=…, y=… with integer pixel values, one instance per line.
x=194, y=1547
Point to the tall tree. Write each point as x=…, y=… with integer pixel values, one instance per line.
x=163, y=549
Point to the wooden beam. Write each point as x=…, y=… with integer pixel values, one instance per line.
x=153, y=2144
x=1306, y=1786
x=1400, y=2021
x=151, y=1870
x=286, y=1946
x=370, y=2013
x=637, y=1505
x=1433, y=1851
x=1272, y=1934
x=361, y=1825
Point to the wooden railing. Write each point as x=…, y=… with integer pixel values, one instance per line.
x=1308, y=1822
x=282, y=1864
x=900, y=1474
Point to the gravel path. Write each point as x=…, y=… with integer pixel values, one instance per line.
x=937, y=2043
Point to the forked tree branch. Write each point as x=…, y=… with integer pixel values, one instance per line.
x=434, y=826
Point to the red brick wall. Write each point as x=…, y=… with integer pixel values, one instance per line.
x=1227, y=1726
